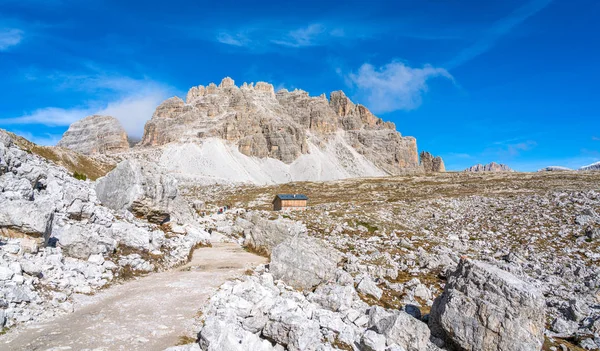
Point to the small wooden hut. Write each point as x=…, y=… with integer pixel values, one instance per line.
x=290, y=202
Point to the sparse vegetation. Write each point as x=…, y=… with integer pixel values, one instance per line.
x=185, y=339
x=79, y=176
x=76, y=163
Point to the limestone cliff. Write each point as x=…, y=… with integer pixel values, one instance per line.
x=432, y=164
x=95, y=135
x=490, y=167
x=282, y=125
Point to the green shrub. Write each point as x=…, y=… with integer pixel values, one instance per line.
x=79, y=176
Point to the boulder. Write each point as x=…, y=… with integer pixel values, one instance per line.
x=143, y=189
x=399, y=328
x=187, y=347
x=485, y=308
x=368, y=287
x=304, y=262
x=263, y=234
x=217, y=335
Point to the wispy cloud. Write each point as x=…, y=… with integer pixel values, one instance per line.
x=497, y=31
x=131, y=101
x=264, y=37
x=595, y=138
x=10, y=37
x=509, y=148
x=236, y=39
x=44, y=139
x=395, y=86
x=307, y=36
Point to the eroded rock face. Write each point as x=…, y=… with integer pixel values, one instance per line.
x=303, y=262
x=95, y=135
x=485, y=308
x=432, y=164
x=490, y=167
x=142, y=188
x=279, y=125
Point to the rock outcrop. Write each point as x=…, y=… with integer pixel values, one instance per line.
x=592, y=167
x=490, y=167
x=258, y=313
x=145, y=190
x=95, y=135
x=431, y=164
x=262, y=235
x=304, y=262
x=283, y=125
x=485, y=308
x=554, y=169
x=57, y=237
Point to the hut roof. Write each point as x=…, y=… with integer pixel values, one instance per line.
x=291, y=196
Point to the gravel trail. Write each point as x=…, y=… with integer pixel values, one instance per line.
x=150, y=313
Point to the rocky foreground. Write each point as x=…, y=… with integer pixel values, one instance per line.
x=58, y=239
x=457, y=262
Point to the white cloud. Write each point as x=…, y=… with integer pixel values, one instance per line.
x=306, y=36
x=269, y=37
x=49, y=116
x=45, y=139
x=135, y=110
x=10, y=37
x=236, y=40
x=498, y=30
x=129, y=100
x=394, y=86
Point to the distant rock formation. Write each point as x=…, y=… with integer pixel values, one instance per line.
x=432, y=164
x=554, y=169
x=490, y=167
x=95, y=135
x=592, y=167
x=282, y=125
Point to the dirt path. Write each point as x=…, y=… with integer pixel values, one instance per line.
x=151, y=313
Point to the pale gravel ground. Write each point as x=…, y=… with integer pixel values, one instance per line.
x=215, y=161
x=150, y=313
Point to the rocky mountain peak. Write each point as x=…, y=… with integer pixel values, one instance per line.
x=283, y=126
x=95, y=135
x=592, y=167
x=490, y=167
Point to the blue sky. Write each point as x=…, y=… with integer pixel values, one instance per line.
x=512, y=81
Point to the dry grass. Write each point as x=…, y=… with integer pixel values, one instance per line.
x=260, y=251
x=74, y=162
x=557, y=342
x=184, y=340
x=340, y=345
x=402, y=188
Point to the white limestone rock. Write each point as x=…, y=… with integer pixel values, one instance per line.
x=485, y=308
x=95, y=135
x=145, y=190
x=304, y=262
